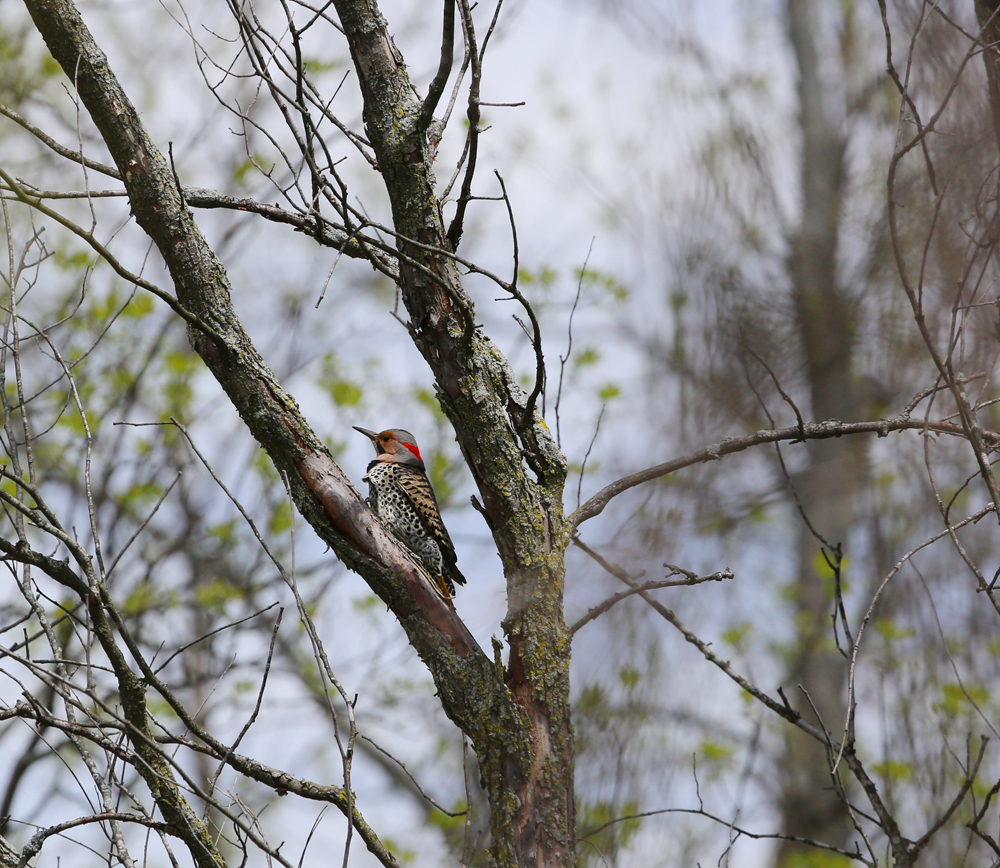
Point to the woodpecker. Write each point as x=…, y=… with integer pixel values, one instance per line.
x=401, y=495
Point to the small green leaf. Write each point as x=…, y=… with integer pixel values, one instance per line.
x=888, y=630
x=141, y=492
x=443, y=821
x=956, y=700
x=224, y=531
x=713, y=751
x=735, y=635
x=179, y=362
x=216, y=593
x=366, y=603
x=892, y=770
x=544, y=277
x=591, y=699
x=140, y=306
x=630, y=676
x=50, y=66
x=344, y=394
x=142, y=599
x=281, y=518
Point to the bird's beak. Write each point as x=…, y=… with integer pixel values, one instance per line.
x=371, y=435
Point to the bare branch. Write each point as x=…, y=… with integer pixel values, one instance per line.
x=444, y=68
x=601, y=608
x=730, y=445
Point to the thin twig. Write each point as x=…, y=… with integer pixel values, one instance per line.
x=569, y=338
x=601, y=608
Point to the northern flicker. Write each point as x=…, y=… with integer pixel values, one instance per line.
x=401, y=495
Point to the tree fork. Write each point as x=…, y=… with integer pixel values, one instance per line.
x=518, y=721
x=481, y=396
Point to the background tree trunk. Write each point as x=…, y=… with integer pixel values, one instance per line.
x=827, y=487
x=988, y=14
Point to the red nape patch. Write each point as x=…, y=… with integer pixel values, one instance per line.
x=413, y=448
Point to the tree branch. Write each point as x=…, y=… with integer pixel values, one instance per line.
x=601, y=608
x=444, y=68
x=730, y=445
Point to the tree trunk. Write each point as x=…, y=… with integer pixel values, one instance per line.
x=826, y=488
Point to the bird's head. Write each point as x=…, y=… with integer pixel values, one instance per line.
x=394, y=445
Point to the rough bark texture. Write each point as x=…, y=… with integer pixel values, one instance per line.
x=519, y=718
x=826, y=487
